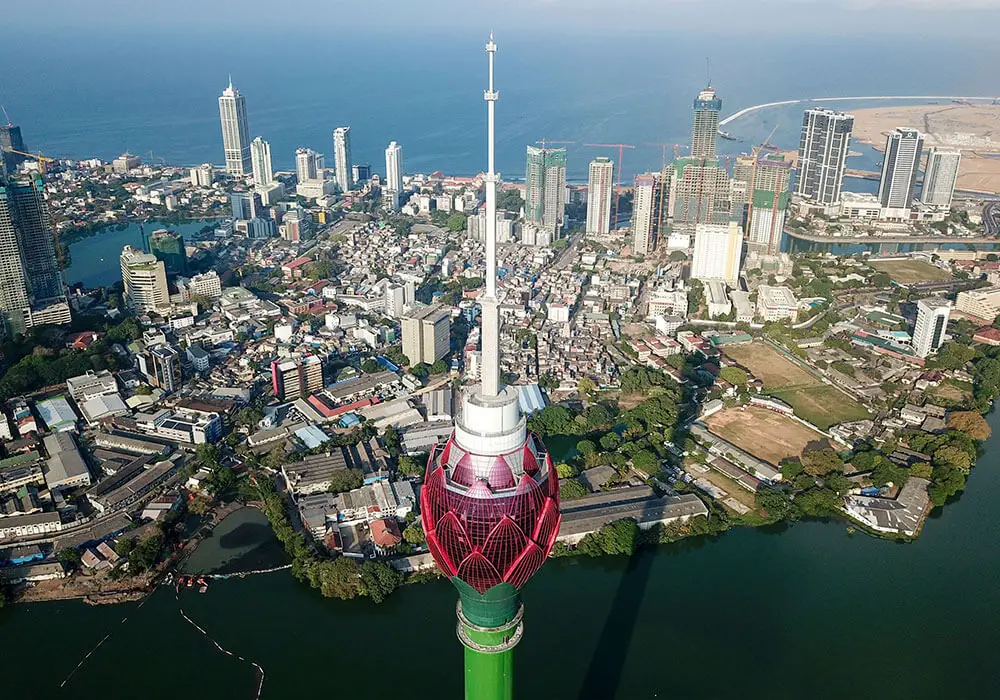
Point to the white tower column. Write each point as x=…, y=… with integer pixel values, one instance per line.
x=491, y=315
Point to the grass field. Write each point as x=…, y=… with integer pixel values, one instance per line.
x=955, y=393
x=770, y=366
x=819, y=403
x=911, y=271
x=765, y=434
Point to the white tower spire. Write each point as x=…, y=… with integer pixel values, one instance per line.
x=491, y=316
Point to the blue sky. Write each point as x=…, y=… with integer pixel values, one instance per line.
x=923, y=17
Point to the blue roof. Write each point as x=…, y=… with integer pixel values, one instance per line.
x=531, y=399
x=311, y=436
x=349, y=420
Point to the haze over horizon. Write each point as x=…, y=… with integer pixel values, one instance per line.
x=921, y=17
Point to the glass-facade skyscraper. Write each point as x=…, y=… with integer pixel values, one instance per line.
x=235, y=131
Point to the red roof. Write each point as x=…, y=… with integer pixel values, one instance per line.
x=298, y=262
x=987, y=333
x=385, y=533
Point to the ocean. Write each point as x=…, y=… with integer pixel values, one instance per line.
x=83, y=95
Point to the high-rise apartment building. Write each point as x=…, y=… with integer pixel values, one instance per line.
x=769, y=184
x=426, y=334
x=823, y=149
x=342, y=157
x=699, y=194
x=393, y=186
x=31, y=283
x=296, y=378
x=647, y=213
x=162, y=367
x=599, y=195
x=940, y=177
x=168, y=246
x=308, y=165
x=903, y=148
x=931, y=326
x=10, y=140
x=545, y=189
x=718, y=251
x=145, y=281
x=202, y=175
x=705, y=132
x=235, y=131
x=260, y=158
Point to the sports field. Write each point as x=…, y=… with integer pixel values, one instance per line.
x=765, y=434
x=911, y=271
x=813, y=400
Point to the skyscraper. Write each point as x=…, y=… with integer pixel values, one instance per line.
x=705, y=132
x=903, y=148
x=769, y=182
x=490, y=501
x=308, y=165
x=31, y=283
x=10, y=140
x=545, y=189
x=426, y=333
x=599, y=195
x=145, y=281
x=717, y=253
x=168, y=247
x=699, y=194
x=646, y=213
x=342, y=157
x=260, y=157
x=235, y=131
x=932, y=324
x=394, y=173
x=940, y=176
x=823, y=149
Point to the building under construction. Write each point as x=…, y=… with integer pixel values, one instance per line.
x=699, y=194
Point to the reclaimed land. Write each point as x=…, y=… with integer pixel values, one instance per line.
x=765, y=434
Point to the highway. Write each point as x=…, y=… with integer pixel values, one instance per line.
x=991, y=218
x=748, y=110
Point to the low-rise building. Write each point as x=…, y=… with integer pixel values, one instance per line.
x=776, y=303
x=34, y=525
x=314, y=473
x=65, y=467
x=583, y=516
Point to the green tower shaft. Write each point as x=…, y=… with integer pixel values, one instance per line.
x=489, y=627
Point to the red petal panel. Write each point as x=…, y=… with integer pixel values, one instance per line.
x=504, y=544
x=525, y=566
x=478, y=572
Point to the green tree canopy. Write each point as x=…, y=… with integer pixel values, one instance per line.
x=378, y=580
x=734, y=375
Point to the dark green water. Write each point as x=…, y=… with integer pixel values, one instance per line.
x=802, y=612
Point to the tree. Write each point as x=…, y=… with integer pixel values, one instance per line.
x=570, y=489
x=456, y=222
x=439, y=367
x=820, y=462
x=971, y=423
x=69, y=556
x=599, y=416
x=735, y=376
x=677, y=256
x=248, y=417
x=414, y=534
x=586, y=386
x=410, y=466
x=646, y=461
x=379, y=580
x=339, y=578
x=791, y=468
x=952, y=356
x=371, y=366
x=346, y=480
x=586, y=448
x=420, y=371
x=610, y=441
x=566, y=471
x=952, y=457
x=922, y=470
x=620, y=537
x=774, y=505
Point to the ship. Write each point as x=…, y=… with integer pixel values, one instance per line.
x=727, y=136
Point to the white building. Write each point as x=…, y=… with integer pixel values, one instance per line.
x=426, y=334
x=235, y=131
x=776, y=303
x=741, y=303
x=903, y=148
x=823, y=149
x=145, y=281
x=599, y=195
x=932, y=324
x=342, y=157
x=940, y=177
x=308, y=165
x=646, y=213
x=664, y=302
x=206, y=284
x=717, y=299
x=394, y=173
x=717, y=253
x=260, y=157
x=982, y=303
x=202, y=175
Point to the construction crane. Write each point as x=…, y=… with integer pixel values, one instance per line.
x=621, y=152
x=663, y=177
x=42, y=160
x=676, y=146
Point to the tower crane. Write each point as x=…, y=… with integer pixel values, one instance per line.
x=621, y=152
x=42, y=160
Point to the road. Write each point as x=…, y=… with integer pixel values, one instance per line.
x=748, y=110
x=991, y=217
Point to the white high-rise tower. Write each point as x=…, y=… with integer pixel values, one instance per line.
x=342, y=157
x=235, y=131
x=260, y=155
x=394, y=173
